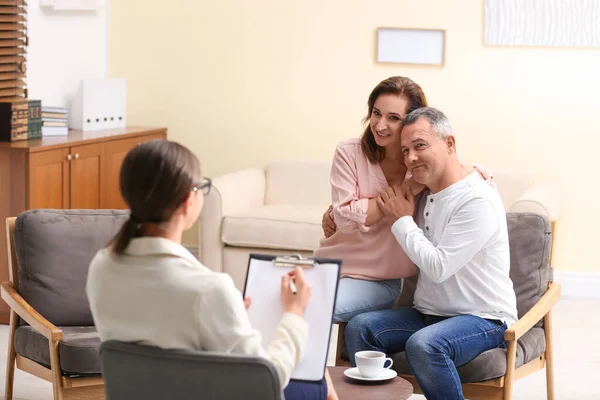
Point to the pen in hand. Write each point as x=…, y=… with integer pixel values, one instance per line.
x=293, y=287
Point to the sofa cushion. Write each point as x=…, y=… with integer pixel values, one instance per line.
x=275, y=226
x=492, y=363
x=54, y=249
x=529, y=236
x=299, y=183
x=78, y=350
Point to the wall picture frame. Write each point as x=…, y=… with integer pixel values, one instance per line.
x=414, y=46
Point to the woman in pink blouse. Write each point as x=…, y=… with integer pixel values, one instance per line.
x=373, y=262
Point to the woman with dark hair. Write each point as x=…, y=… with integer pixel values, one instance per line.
x=145, y=287
x=356, y=230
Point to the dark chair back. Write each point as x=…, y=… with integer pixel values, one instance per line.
x=133, y=371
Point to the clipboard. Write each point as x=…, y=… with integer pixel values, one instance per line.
x=263, y=283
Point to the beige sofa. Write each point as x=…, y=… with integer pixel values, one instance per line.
x=278, y=210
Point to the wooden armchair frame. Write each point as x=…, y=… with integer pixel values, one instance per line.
x=502, y=388
x=64, y=388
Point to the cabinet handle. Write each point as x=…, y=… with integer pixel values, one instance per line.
x=76, y=156
x=68, y=157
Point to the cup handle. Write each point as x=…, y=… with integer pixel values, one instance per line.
x=389, y=366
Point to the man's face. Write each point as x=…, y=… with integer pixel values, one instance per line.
x=425, y=154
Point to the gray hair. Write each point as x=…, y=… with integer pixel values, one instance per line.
x=438, y=120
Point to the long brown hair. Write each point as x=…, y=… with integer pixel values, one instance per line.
x=156, y=178
x=399, y=86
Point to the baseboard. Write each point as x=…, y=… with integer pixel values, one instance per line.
x=578, y=284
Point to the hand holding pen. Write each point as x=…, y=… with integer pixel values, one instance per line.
x=295, y=292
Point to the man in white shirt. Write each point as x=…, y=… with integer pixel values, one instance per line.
x=464, y=298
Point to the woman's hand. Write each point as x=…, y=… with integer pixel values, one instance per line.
x=468, y=168
x=328, y=224
x=295, y=303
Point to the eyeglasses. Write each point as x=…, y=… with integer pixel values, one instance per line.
x=203, y=186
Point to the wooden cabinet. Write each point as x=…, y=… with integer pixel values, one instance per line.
x=84, y=177
x=48, y=180
x=114, y=153
x=76, y=171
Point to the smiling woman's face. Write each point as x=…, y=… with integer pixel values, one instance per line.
x=386, y=118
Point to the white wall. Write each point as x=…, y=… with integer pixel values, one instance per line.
x=64, y=47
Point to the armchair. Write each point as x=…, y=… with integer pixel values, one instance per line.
x=491, y=374
x=133, y=371
x=52, y=333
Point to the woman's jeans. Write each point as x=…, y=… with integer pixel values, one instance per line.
x=356, y=296
x=434, y=346
x=297, y=390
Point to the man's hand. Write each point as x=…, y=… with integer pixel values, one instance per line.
x=397, y=201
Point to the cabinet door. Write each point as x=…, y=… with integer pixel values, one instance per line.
x=114, y=154
x=85, y=176
x=49, y=179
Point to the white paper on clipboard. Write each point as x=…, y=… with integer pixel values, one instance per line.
x=263, y=284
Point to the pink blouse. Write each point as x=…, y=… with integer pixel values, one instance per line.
x=367, y=252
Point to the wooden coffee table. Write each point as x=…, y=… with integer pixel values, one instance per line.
x=346, y=388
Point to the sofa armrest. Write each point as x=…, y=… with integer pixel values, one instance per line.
x=537, y=312
x=542, y=198
x=29, y=314
x=230, y=194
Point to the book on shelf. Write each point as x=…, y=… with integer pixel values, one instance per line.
x=54, y=122
x=14, y=120
x=54, y=130
x=50, y=115
x=57, y=110
x=34, y=130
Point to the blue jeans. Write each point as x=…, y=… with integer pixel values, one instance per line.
x=434, y=346
x=296, y=390
x=356, y=296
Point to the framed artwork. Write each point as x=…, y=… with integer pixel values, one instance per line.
x=411, y=46
x=542, y=23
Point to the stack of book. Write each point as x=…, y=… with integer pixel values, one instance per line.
x=54, y=121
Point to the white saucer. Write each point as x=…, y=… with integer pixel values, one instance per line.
x=383, y=376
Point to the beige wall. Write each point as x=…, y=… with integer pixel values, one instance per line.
x=246, y=82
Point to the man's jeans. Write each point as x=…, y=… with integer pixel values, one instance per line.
x=357, y=296
x=434, y=346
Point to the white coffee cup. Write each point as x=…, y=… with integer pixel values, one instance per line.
x=371, y=363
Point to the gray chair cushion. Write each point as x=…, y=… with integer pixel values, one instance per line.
x=133, y=371
x=78, y=351
x=54, y=249
x=530, y=242
x=492, y=363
